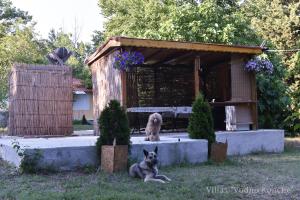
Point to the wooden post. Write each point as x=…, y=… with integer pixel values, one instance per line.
x=254, y=112
x=124, y=92
x=196, y=75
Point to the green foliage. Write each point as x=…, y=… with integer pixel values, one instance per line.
x=29, y=160
x=201, y=121
x=294, y=79
x=278, y=23
x=275, y=20
x=20, y=47
x=79, y=49
x=9, y=16
x=18, y=43
x=29, y=163
x=293, y=121
x=293, y=124
x=273, y=105
x=97, y=41
x=209, y=21
x=113, y=123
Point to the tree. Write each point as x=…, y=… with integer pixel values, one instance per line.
x=80, y=50
x=274, y=101
x=201, y=121
x=278, y=22
x=18, y=43
x=10, y=15
x=113, y=124
x=20, y=47
x=97, y=40
x=208, y=21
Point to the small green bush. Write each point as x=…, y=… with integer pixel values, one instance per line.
x=201, y=121
x=113, y=123
x=29, y=163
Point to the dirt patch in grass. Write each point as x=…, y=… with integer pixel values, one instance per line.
x=262, y=176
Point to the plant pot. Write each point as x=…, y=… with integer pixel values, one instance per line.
x=114, y=158
x=219, y=151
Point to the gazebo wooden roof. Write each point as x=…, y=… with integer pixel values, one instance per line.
x=153, y=48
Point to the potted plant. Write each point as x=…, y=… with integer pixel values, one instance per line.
x=201, y=125
x=259, y=64
x=114, y=138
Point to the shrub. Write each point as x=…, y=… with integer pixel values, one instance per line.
x=29, y=162
x=201, y=121
x=273, y=97
x=113, y=123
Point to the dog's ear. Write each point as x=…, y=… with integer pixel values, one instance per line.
x=145, y=152
x=155, y=150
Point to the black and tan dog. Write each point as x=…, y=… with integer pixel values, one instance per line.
x=147, y=169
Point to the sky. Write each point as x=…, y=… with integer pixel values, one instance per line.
x=62, y=14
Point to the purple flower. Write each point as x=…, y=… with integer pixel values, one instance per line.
x=127, y=59
x=258, y=64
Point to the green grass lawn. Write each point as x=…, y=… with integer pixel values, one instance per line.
x=260, y=176
x=80, y=127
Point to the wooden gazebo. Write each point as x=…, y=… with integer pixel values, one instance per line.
x=172, y=76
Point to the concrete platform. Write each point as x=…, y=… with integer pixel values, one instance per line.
x=172, y=149
x=69, y=153
x=247, y=142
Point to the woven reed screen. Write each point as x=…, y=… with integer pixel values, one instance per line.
x=40, y=100
x=158, y=86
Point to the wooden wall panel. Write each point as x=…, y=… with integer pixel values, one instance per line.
x=106, y=86
x=240, y=80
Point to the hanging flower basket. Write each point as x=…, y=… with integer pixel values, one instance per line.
x=125, y=60
x=259, y=64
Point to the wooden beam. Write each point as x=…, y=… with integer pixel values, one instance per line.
x=188, y=45
x=179, y=58
x=100, y=51
x=153, y=54
x=124, y=89
x=254, y=111
x=196, y=75
x=168, y=58
x=191, y=46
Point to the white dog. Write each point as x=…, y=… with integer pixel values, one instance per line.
x=153, y=127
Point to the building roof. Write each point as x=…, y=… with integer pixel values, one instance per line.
x=79, y=87
x=116, y=42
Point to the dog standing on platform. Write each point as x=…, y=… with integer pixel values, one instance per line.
x=153, y=127
x=147, y=169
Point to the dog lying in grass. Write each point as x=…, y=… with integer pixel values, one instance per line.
x=153, y=127
x=147, y=169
